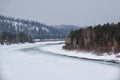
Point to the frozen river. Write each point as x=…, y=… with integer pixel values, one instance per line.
x=32, y=62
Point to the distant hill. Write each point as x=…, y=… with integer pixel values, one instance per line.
x=36, y=29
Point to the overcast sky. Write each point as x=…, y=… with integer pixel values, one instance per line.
x=55, y=12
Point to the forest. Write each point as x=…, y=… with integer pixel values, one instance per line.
x=97, y=39
x=8, y=38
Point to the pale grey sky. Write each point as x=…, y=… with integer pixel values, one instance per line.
x=55, y=12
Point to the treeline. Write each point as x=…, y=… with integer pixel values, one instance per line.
x=98, y=39
x=8, y=38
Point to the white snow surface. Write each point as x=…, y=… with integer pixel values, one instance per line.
x=59, y=50
x=35, y=65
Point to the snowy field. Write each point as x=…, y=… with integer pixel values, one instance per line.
x=45, y=61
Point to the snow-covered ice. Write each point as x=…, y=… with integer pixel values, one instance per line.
x=34, y=64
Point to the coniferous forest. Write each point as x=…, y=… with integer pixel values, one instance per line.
x=8, y=38
x=97, y=39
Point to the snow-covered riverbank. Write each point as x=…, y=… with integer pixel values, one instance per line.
x=34, y=64
x=78, y=54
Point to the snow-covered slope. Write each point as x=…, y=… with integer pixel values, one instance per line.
x=34, y=28
x=32, y=62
